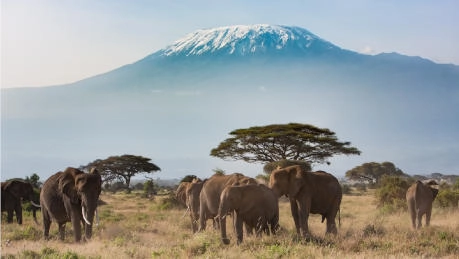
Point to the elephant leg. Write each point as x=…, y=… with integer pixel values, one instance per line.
x=9, y=217
x=46, y=224
x=419, y=219
x=194, y=225
x=248, y=229
x=413, y=218
x=303, y=217
x=428, y=214
x=331, y=223
x=238, y=223
x=295, y=215
x=18, y=211
x=61, y=231
x=412, y=211
x=202, y=217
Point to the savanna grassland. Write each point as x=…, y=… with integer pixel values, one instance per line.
x=135, y=227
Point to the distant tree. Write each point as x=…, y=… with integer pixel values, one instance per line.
x=373, y=171
x=34, y=179
x=293, y=141
x=123, y=168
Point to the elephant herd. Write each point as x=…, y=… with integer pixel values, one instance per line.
x=255, y=206
x=72, y=196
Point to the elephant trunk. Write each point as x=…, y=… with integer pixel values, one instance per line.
x=89, y=211
x=222, y=220
x=34, y=214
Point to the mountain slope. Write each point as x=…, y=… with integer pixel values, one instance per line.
x=178, y=103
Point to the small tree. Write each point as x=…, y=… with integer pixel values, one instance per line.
x=149, y=188
x=123, y=168
x=293, y=141
x=34, y=179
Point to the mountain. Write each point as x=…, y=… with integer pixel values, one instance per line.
x=178, y=103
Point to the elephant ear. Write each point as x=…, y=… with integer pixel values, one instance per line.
x=16, y=188
x=67, y=183
x=295, y=179
x=10, y=186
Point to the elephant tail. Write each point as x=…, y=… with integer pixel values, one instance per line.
x=339, y=217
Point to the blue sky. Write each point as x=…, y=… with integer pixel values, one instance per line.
x=49, y=42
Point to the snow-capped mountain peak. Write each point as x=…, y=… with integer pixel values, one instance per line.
x=245, y=40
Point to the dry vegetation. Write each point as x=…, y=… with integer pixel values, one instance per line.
x=135, y=227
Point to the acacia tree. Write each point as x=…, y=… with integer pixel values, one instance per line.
x=373, y=171
x=293, y=141
x=122, y=168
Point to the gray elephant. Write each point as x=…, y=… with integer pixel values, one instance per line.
x=192, y=192
x=180, y=193
x=13, y=192
x=420, y=196
x=256, y=205
x=209, y=198
x=308, y=192
x=70, y=196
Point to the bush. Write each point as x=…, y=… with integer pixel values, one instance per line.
x=392, y=192
x=447, y=198
x=346, y=189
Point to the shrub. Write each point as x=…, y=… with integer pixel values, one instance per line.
x=346, y=189
x=392, y=192
x=447, y=198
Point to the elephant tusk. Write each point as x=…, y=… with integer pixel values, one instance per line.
x=84, y=215
x=97, y=218
x=35, y=204
x=219, y=217
x=184, y=214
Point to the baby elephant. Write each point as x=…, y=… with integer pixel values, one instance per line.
x=256, y=205
x=420, y=197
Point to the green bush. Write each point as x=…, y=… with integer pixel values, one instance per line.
x=447, y=198
x=391, y=192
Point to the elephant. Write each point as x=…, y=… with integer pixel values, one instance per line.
x=71, y=196
x=192, y=192
x=180, y=193
x=209, y=198
x=309, y=192
x=256, y=205
x=419, y=197
x=13, y=192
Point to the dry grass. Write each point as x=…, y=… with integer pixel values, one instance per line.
x=133, y=227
